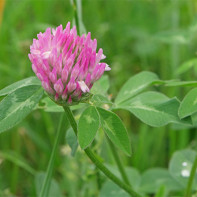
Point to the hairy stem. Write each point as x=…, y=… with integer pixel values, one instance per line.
x=96, y=161
x=47, y=180
x=191, y=178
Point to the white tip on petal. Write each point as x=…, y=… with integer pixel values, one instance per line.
x=103, y=56
x=107, y=68
x=35, y=52
x=53, y=31
x=83, y=86
x=46, y=54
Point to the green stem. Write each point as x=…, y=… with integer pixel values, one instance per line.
x=76, y=16
x=118, y=162
x=98, y=178
x=191, y=178
x=47, y=180
x=71, y=118
x=111, y=176
x=96, y=161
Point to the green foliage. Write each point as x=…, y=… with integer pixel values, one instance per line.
x=158, y=36
x=54, y=187
x=159, y=180
x=101, y=86
x=189, y=104
x=154, y=178
x=71, y=139
x=153, y=108
x=88, y=126
x=89, y=123
x=133, y=175
x=181, y=165
x=135, y=85
x=115, y=130
x=19, y=84
x=161, y=192
x=100, y=100
x=186, y=66
x=77, y=5
x=17, y=105
x=181, y=83
x=111, y=189
x=18, y=160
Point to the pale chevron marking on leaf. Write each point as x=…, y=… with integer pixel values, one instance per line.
x=89, y=119
x=20, y=106
x=107, y=126
x=134, y=91
x=195, y=101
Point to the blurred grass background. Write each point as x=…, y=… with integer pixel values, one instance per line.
x=136, y=35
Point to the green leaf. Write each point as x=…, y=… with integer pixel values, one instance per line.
x=132, y=173
x=71, y=139
x=181, y=83
x=135, y=85
x=17, y=105
x=194, y=120
x=99, y=100
x=181, y=165
x=115, y=130
x=54, y=187
x=101, y=86
x=189, y=104
x=161, y=191
x=17, y=159
x=186, y=66
x=134, y=177
x=111, y=189
x=19, y=84
x=152, y=180
x=154, y=109
x=88, y=126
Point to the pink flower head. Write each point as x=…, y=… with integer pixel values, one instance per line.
x=66, y=64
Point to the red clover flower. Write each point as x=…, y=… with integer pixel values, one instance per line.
x=66, y=64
